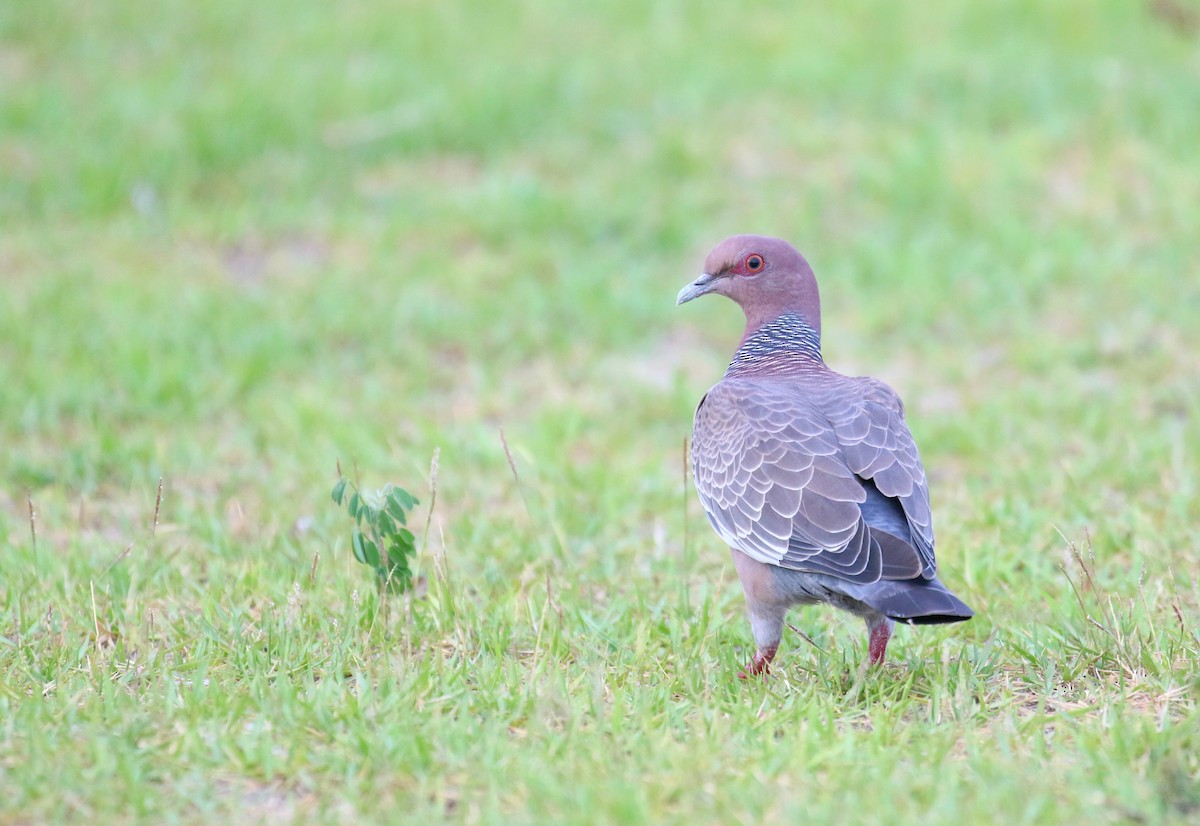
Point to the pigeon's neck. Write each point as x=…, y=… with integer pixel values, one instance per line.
x=787, y=344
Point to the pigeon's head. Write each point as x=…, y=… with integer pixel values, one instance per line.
x=767, y=277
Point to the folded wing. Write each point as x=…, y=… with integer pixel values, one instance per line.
x=789, y=484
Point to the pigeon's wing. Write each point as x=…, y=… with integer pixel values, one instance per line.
x=877, y=445
x=771, y=476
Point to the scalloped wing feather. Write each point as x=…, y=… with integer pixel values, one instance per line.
x=778, y=469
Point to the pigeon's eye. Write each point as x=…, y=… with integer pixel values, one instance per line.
x=754, y=263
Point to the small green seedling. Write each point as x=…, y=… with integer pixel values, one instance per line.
x=380, y=538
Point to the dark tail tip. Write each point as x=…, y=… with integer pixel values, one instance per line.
x=919, y=602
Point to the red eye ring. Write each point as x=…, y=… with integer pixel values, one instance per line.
x=754, y=262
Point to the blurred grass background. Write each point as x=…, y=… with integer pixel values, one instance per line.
x=241, y=243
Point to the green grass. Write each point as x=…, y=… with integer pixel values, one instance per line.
x=241, y=243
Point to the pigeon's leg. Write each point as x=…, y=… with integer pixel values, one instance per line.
x=879, y=629
x=765, y=609
x=766, y=623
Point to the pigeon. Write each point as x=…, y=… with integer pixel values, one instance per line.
x=811, y=477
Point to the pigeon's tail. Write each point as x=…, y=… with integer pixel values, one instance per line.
x=917, y=601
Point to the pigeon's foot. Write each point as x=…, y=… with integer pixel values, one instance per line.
x=761, y=664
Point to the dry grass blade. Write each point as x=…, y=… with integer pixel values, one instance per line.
x=806, y=638
x=32, y=522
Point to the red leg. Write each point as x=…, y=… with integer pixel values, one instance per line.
x=761, y=663
x=881, y=632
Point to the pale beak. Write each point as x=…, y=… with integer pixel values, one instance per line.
x=697, y=288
